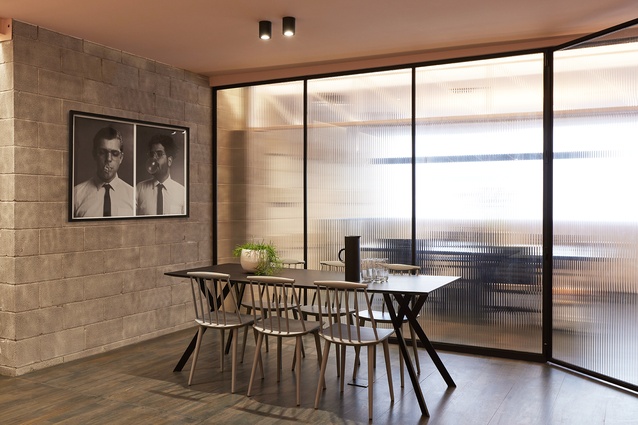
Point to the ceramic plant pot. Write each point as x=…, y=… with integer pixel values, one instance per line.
x=250, y=259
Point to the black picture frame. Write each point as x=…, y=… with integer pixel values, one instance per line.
x=132, y=156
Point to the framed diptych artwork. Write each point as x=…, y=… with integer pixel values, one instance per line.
x=122, y=168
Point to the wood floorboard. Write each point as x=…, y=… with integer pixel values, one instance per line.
x=137, y=385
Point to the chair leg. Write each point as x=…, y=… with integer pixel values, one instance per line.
x=294, y=357
x=415, y=348
x=342, y=350
x=221, y=350
x=322, y=373
x=261, y=364
x=200, y=333
x=370, y=380
x=357, y=350
x=279, y=347
x=374, y=359
x=234, y=335
x=243, y=349
x=357, y=362
x=402, y=365
x=338, y=359
x=256, y=359
x=303, y=351
x=266, y=336
x=298, y=371
x=388, y=367
x=248, y=311
x=318, y=344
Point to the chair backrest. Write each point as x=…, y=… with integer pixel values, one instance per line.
x=275, y=303
x=396, y=268
x=343, y=296
x=210, y=298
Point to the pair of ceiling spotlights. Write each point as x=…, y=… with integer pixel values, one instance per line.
x=287, y=28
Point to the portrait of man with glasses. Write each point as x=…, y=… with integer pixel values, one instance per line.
x=105, y=194
x=160, y=194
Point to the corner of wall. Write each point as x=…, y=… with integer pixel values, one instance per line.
x=7, y=203
x=71, y=290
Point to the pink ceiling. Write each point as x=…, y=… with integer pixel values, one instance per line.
x=219, y=37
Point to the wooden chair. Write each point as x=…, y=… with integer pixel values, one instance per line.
x=344, y=295
x=312, y=310
x=277, y=315
x=382, y=316
x=216, y=310
x=248, y=305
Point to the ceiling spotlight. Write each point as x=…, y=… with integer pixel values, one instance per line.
x=288, y=28
x=265, y=30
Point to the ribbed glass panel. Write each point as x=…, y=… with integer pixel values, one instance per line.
x=479, y=204
x=595, y=278
x=359, y=172
x=260, y=168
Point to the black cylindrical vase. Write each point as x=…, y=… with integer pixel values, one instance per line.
x=353, y=258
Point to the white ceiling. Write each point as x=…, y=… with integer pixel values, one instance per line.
x=220, y=37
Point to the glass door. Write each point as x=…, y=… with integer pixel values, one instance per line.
x=595, y=248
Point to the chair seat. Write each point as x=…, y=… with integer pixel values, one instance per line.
x=292, y=263
x=313, y=310
x=379, y=316
x=366, y=336
x=232, y=321
x=332, y=265
x=290, y=306
x=294, y=327
x=401, y=268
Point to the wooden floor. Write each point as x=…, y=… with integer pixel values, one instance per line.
x=137, y=385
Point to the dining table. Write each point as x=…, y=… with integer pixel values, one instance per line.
x=409, y=292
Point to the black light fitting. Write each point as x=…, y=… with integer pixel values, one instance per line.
x=288, y=27
x=265, y=30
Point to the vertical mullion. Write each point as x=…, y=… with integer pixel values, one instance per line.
x=548, y=220
x=413, y=136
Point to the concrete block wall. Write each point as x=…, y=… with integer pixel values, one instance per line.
x=70, y=290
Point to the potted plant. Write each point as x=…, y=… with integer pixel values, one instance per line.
x=259, y=258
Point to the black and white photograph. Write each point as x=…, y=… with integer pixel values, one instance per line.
x=161, y=171
x=122, y=168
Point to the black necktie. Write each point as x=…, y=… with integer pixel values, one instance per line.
x=160, y=199
x=107, y=200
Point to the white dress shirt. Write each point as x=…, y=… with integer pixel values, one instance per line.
x=174, y=197
x=88, y=198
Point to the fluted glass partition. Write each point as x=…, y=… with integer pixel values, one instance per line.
x=448, y=166
x=479, y=177
x=595, y=278
x=359, y=172
x=260, y=172
x=475, y=162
